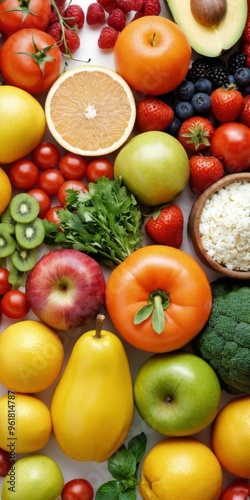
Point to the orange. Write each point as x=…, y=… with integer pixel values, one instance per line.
x=152, y=54
x=5, y=190
x=178, y=468
x=90, y=110
x=25, y=420
x=36, y=359
x=231, y=436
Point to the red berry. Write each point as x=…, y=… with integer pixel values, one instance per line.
x=107, y=37
x=246, y=33
x=136, y=5
x=124, y=5
x=55, y=30
x=108, y=5
x=61, y=5
x=246, y=48
x=74, y=16
x=204, y=171
x=95, y=14
x=152, y=7
x=165, y=226
x=153, y=114
x=72, y=41
x=117, y=19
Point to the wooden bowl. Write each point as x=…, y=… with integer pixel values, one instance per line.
x=194, y=222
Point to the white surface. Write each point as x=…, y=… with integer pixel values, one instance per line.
x=97, y=473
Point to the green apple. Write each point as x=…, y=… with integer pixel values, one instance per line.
x=35, y=477
x=154, y=166
x=177, y=394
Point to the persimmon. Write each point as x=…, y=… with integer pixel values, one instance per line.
x=159, y=298
x=152, y=54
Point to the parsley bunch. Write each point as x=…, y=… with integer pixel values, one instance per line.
x=105, y=222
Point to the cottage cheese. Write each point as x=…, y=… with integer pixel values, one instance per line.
x=225, y=226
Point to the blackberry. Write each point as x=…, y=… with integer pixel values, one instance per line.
x=235, y=61
x=169, y=98
x=199, y=69
x=218, y=73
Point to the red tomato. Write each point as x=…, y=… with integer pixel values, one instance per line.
x=231, y=144
x=14, y=15
x=4, y=284
x=21, y=69
x=74, y=184
x=23, y=174
x=43, y=200
x=46, y=155
x=166, y=280
x=73, y=166
x=14, y=304
x=50, y=181
x=236, y=491
x=5, y=463
x=99, y=168
x=77, y=489
x=52, y=216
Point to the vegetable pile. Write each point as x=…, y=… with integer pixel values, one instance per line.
x=224, y=342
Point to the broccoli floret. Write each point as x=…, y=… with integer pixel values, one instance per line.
x=224, y=342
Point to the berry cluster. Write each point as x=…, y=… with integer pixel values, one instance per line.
x=115, y=15
x=65, y=22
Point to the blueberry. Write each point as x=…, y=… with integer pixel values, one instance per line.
x=242, y=76
x=173, y=129
x=201, y=102
x=184, y=110
x=203, y=85
x=185, y=90
x=231, y=79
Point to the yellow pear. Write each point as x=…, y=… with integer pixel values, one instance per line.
x=92, y=406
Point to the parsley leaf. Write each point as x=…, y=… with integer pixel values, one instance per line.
x=105, y=222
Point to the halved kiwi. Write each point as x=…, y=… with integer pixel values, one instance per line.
x=30, y=235
x=24, y=208
x=7, y=219
x=23, y=259
x=7, y=242
x=16, y=277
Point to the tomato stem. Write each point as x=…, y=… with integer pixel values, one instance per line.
x=158, y=302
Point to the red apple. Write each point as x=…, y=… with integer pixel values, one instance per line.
x=66, y=289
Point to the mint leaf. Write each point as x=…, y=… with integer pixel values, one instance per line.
x=137, y=446
x=128, y=495
x=122, y=464
x=109, y=491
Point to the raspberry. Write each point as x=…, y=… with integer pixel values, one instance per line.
x=108, y=5
x=72, y=42
x=74, y=16
x=152, y=7
x=53, y=17
x=107, y=37
x=138, y=14
x=61, y=4
x=136, y=5
x=95, y=14
x=246, y=33
x=124, y=5
x=117, y=19
x=55, y=30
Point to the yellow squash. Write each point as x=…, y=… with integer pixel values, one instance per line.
x=92, y=406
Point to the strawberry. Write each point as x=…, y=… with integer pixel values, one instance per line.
x=245, y=114
x=195, y=133
x=204, y=171
x=246, y=33
x=165, y=225
x=153, y=114
x=226, y=103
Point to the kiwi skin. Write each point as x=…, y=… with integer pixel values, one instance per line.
x=24, y=208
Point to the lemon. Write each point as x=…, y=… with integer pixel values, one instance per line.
x=90, y=110
x=25, y=423
x=31, y=356
x=5, y=189
x=36, y=477
x=178, y=468
x=22, y=123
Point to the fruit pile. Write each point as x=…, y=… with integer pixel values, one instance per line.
x=99, y=169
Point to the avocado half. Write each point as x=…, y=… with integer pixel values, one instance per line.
x=210, y=41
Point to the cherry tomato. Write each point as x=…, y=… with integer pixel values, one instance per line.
x=50, y=181
x=43, y=200
x=20, y=65
x=4, y=284
x=46, y=155
x=73, y=184
x=77, y=489
x=231, y=144
x=99, y=168
x=14, y=15
x=239, y=490
x=73, y=166
x=14, y=304
x=5, y=462
x=23, y=174
x=52, y=216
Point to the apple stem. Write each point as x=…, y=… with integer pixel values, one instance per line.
x=153, y=40
x=98, y=327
